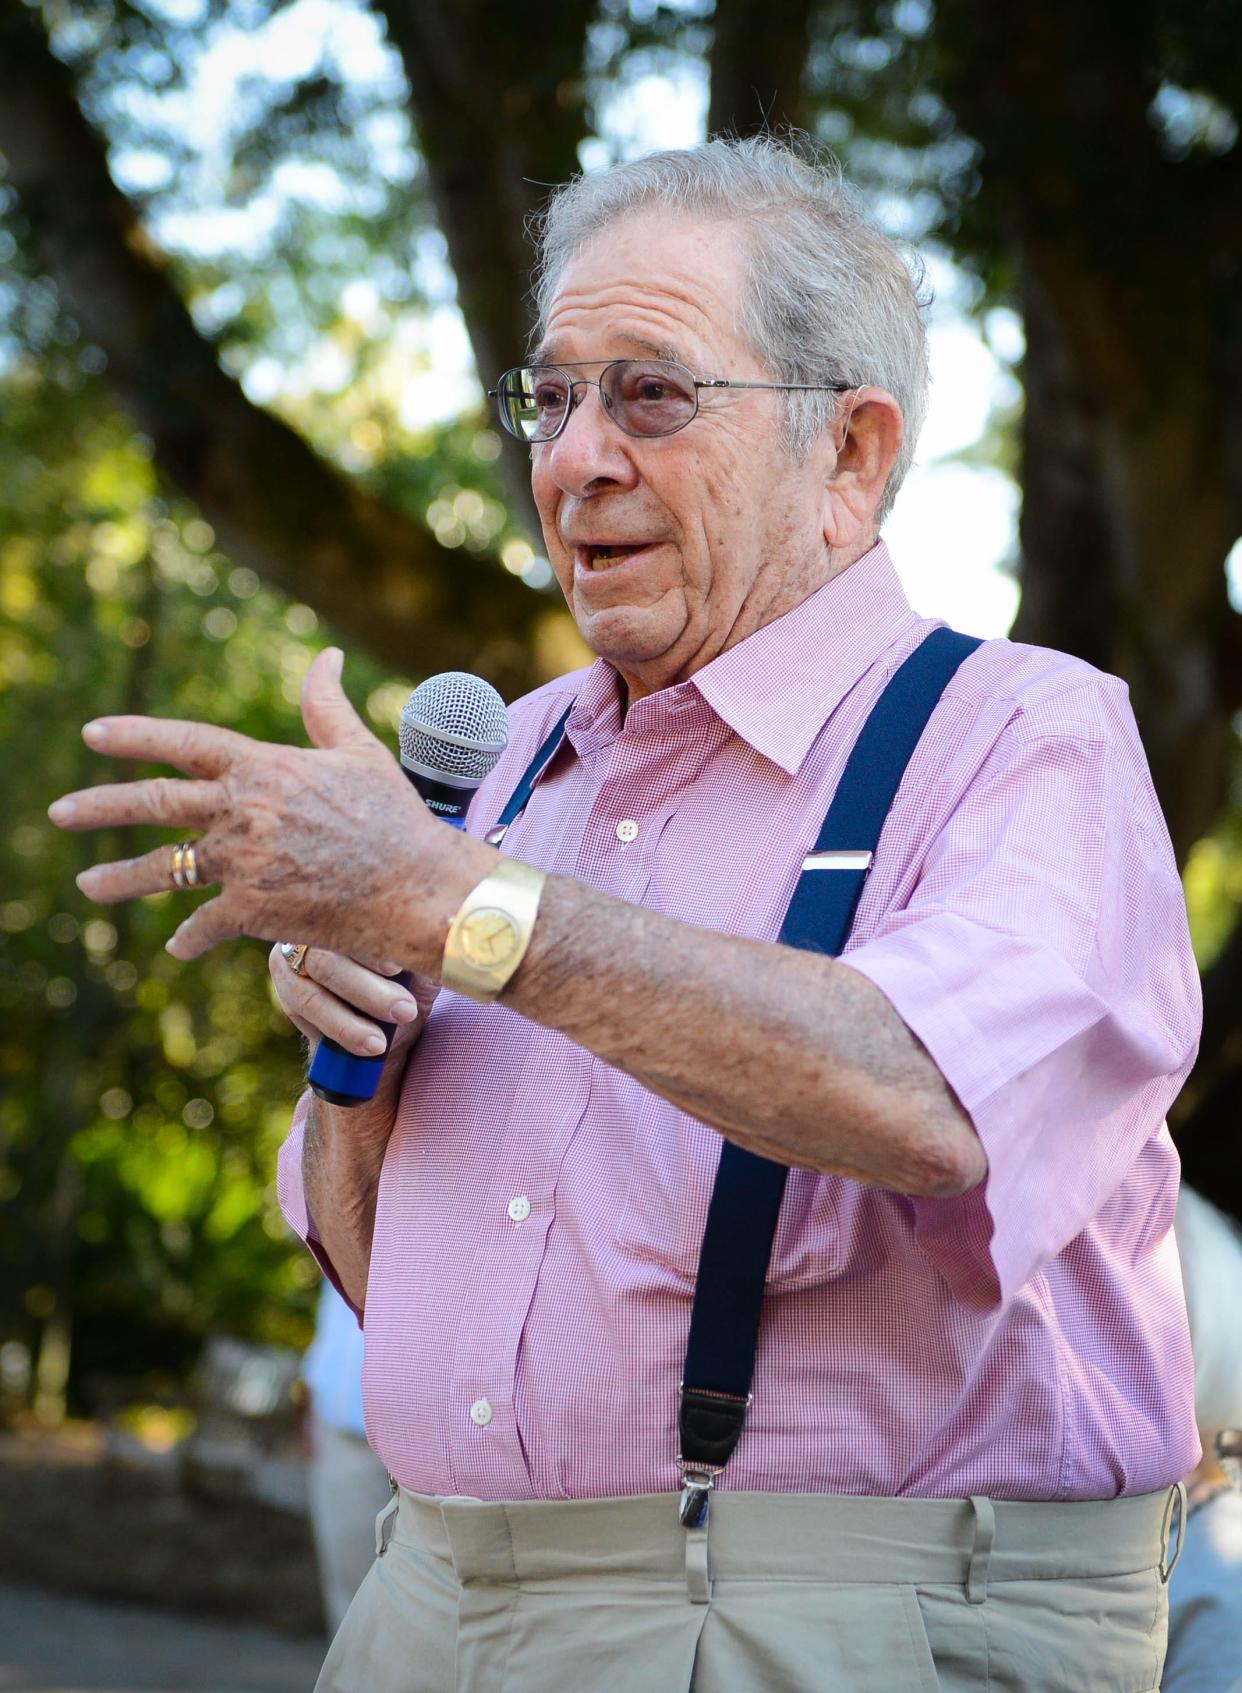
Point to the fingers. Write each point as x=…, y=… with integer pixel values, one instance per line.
x=129, y=878
x=214, y=921
x=309, y=1003
x=200, y=749
x=163, y=799
x=366, y=990
x=278, y=969
x=329, y=718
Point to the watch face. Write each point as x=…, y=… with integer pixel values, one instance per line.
x=488, y=938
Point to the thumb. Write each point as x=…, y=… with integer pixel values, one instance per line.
x=329, y=718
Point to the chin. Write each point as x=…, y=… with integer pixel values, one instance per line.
x=628, y=637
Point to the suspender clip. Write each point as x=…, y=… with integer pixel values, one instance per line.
x=709, y=1423
x=697, y=1484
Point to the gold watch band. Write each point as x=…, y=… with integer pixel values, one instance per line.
x=491, y=930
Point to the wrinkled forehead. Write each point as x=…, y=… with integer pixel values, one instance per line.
x=652, y=283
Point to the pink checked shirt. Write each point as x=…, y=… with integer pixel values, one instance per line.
x=540, y=1213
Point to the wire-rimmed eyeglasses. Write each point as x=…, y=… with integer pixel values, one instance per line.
x=643, y=397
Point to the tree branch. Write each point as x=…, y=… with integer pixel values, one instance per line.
x=298, y=522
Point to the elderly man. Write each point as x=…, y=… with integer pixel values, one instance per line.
x=937, y=1387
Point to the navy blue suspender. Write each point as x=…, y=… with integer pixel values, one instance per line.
x=534, y=770
x=746, y=1199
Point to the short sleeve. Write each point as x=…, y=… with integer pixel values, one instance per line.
x=291, y=1192
x=1043, y=959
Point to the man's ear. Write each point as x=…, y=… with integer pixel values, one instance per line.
x=868, y=433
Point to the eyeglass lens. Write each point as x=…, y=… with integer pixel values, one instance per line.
x=643, y=397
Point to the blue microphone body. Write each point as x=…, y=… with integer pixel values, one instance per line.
x=453, y=730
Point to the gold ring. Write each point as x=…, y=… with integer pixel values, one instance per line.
x=184, y=866
x=295, y=956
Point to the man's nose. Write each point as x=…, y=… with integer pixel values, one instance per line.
x=590, y=452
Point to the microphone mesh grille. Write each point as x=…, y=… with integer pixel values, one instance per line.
x=455, y=723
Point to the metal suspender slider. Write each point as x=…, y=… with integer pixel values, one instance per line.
x=534, y=770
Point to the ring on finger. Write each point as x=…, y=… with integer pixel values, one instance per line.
x=184, y=865
x=294, y=954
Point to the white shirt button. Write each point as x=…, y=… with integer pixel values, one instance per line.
x=481, y=1412
x=627, y=830
x=519, y=1208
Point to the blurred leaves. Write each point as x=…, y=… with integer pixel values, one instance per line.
x=1213, y=881
x=167, y=1086
x=274, y=166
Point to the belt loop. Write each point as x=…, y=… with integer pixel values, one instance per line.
x=981, y=1550
x=385, y=1522
x=1175, y=1510
x=698, y=1572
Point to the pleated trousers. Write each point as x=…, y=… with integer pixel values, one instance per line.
x=782, y=1593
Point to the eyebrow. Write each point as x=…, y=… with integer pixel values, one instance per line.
x=546, y=354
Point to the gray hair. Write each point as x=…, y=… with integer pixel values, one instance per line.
x=829, y=298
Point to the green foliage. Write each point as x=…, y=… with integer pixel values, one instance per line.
x=143, y=1100
x=1213, y=881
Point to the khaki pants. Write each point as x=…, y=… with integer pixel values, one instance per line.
x=783, y=1593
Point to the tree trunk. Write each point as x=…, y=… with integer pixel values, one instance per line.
x=1130, y=498
x=377, y=575
x=499, y=98
x=1130, y=280
x=1126, y=523
x=758, y=58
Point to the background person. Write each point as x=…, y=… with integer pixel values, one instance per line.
x=1205, y=1595
x=972, y=1392
x=348, y=1485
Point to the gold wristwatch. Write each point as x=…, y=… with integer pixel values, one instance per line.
x=491, y=930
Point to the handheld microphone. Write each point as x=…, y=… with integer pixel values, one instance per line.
x=453, y=729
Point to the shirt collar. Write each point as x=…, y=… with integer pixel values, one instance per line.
x=778, y=687
x=596, y=717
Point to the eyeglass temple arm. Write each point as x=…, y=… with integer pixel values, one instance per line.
x=792, y=387
x=728, y=382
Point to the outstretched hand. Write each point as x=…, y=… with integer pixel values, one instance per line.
x=328, y=844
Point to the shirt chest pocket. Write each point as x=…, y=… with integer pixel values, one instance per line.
x=668, y=1189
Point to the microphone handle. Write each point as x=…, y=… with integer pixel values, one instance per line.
x=340, y=1077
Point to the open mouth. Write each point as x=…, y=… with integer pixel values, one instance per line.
x=605, y=554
